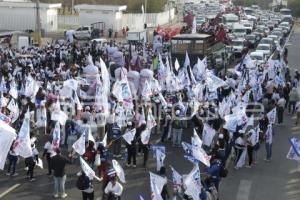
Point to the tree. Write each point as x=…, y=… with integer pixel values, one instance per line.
x=294, y=5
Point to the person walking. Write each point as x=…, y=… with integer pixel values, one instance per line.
x=280, y=109
x=84, y=183
x=12, y=162
x=131, y=151
x=268, y=144
x=293, y=99
x=48, y=152
x=31, y=161
x=177, y=127
x=250, y=147
x=114, y=189
x=58, y=163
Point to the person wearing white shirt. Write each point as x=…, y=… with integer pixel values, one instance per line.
x=114, y=189
x=268, y=143
x=48, y=152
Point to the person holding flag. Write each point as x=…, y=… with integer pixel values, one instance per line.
x=130, y=139
x=114, y=189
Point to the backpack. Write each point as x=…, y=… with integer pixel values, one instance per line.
x=83, y=182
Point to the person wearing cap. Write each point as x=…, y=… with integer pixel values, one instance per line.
x=58, y=163
x=114, y=189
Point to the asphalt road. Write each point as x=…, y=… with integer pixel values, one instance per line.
x=277, y=180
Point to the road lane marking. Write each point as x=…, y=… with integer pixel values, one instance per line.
x=9, y=190
x=244, y=190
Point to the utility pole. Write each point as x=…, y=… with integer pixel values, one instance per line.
x=37, y=34
x=72, y=7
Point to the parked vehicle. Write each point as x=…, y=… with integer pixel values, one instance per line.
x=238, y=46
x=269, y=41
x=84, y=32
x=258, y=57
x=264, y=48
x=252, y=39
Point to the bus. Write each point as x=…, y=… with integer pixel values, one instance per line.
x=285, y=12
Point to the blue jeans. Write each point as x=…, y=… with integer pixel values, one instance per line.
x=268, y=151
x=177, y=133
x=59, y=184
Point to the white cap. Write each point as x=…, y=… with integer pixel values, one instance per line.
x=221, y=136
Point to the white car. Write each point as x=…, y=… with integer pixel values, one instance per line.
x=275, y=38
x=99, y=40
x=237, y=46
x=84, y=32
x=258, y=57
x=264, y=48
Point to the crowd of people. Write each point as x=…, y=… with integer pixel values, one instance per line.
x=94, y=102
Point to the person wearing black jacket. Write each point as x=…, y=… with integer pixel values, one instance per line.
x=58, y=163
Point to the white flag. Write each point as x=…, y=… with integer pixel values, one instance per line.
x=14, y=109
x=77, y=101
x=105, y=77
x=241, y=162
x=119, y=170
x=193, y=183
x=198, y=141
x=199, y=70
x=194, y=28
x=8, y=134
x=142, y=117
x=104, y=141
x=79, y=145
x=272, y=116
x=145, y=136
x=13, y=90
x=176, y=179
x=40, y=163
x=151, y=123
x=129, y=136
x=177, y=66
x=22, y=145
x=214, y=82
x=56, y=136
x=208, y=134
x=146, y=92
x=187, y=61
x=160, y=157
x=88, y=171
x=200, y=154
x=158, y=181
x=90, y=136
